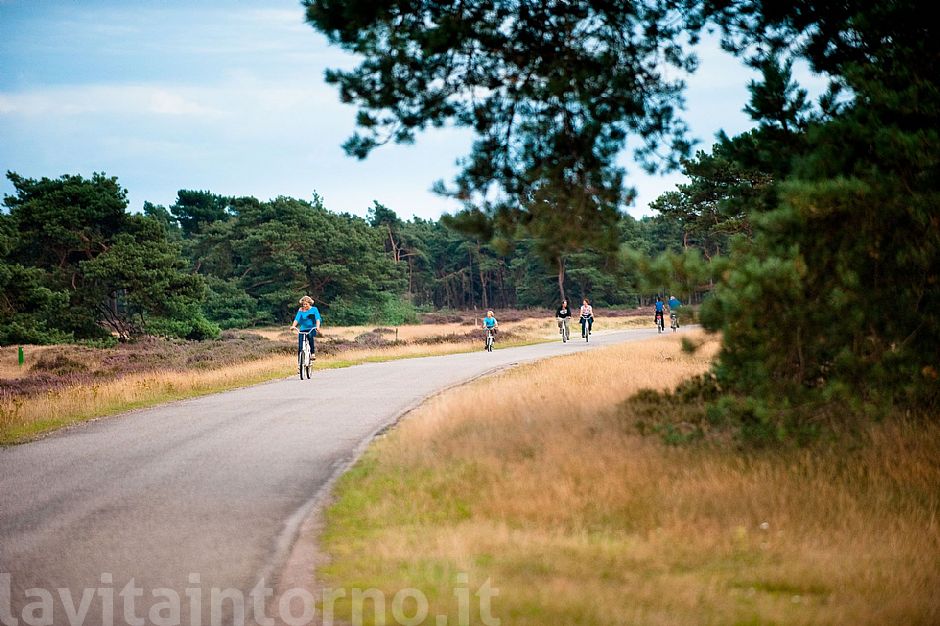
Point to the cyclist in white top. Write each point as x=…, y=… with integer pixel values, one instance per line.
x=587, y=317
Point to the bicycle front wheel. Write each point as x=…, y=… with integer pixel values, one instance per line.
x=304, y=363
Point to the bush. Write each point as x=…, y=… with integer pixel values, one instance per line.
x=385, y=308
x=59, y=364
x=229, y=306
x=396, y=310
x=343, y=312
x=28, y=331
x=195, y=327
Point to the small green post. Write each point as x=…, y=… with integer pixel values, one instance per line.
x=20, y=355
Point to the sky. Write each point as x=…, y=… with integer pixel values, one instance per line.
x=228, y=96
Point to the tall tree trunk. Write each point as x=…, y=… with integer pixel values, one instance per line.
x=561, y=277
x=485, y=299
x=469, y=279
x=411, y=278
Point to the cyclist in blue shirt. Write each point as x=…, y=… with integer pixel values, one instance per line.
x=674, y=305
x=659, y=310
x=306, y=320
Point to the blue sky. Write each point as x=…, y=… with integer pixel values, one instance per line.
x=228, y=96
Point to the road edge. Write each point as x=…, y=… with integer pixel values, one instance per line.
x=297, y=553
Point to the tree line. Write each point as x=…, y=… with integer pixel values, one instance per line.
x=78, y=265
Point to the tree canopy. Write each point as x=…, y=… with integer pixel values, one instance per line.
x=552, y=90
x=824, y=218
x=77, y=264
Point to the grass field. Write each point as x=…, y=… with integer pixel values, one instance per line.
x=62, y=385
x=538, y=481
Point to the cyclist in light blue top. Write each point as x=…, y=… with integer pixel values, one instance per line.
x=490, y=321
x=307, y=320
x=674, y=305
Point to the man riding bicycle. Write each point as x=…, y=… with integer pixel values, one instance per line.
x=658, y=316
x=674, y=305
x=562, y=315
x=307, y=324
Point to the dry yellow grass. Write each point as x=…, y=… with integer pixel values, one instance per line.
x=536, y=481
x=9, y=363
x=20, y=419
x=530, y=328
x=408, y=332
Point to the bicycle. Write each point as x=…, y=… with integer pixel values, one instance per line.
x=586, y=328
x=303, y=354
x=563, y=329
x=490, y=339
x=660, y=323
x=674, y=321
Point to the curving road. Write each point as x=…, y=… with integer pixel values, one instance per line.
x=204, y=493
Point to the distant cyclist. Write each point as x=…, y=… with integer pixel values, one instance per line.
x=306, y=321
x=587, y=317
x=562, y=314
x=674, y=305
x=658, y=316
x=490, y=323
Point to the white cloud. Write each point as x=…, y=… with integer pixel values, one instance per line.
x=166, y=102
x=239, y=95
x=107, y=99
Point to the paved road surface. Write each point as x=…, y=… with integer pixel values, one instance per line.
x=214, y=487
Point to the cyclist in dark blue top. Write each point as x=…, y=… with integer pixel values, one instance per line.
x=659, y=310
x=307, y=320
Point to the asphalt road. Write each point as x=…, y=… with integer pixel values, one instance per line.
x=204, y=493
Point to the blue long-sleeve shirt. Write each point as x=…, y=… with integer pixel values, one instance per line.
x=307, y=319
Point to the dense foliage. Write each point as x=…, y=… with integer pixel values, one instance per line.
x=821, y=225
x=835, y=303
x=77, y=265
